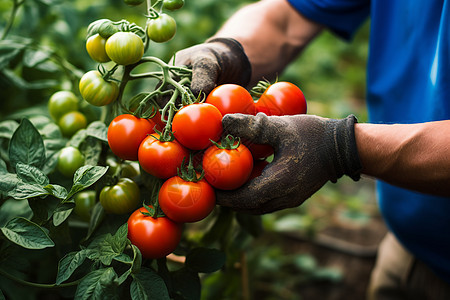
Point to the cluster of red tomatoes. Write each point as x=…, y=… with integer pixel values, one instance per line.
x=220, y=161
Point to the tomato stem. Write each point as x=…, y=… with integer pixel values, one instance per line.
x=38, y=285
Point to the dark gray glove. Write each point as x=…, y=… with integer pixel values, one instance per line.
x=218, y=61
x=309, y=151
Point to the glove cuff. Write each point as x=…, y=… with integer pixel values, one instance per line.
x=234, y=63
x=346, y=159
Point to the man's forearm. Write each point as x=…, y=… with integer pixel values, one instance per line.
x=272, y=34
x=413, y=156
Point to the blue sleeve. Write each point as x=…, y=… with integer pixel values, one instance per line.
x=343, y=17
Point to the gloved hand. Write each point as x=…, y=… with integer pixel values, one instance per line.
x=308, y=151
x=218, y=61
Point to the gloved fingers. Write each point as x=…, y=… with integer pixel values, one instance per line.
x=259, y=129
x=205, y=73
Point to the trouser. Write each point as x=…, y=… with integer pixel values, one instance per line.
x=399, y=275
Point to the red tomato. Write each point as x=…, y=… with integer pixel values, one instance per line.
x=155, y=237
x=227, y=169
x=258, y=167
x=186, y=201
x=161, y=159
x=232, y=98
x=195, y=124
x=125, y=134
x=282, y=98
x=259, y=151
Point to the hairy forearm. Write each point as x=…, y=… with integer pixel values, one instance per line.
x=413, y=156
x=272, y=34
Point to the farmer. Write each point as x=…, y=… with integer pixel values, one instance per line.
x=406, y=146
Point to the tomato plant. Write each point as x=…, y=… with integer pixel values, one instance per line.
x=120, y=198
x=156, y=237
x=232, y=98
x=71, y=122
x=84, y=202
x=70, y=159
x=162, y=28
x=96, y=90
x=228, y=164
x=161, y=158
x=125, y=134
x=282, y=98
x=61, y=103
x=124, y=48
x=95, y=46
x=195, y=125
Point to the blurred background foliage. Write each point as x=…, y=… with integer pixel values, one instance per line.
x=43, y=50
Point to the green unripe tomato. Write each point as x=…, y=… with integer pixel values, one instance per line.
x=125, y=48
x=173, y=4
x=71, y=122
x=107, y=29
x=84, y=202
x=95, y=46
x=133, y=2
x=94, y=27
x=161, y=29
x=61, y=103
x=120, y=198
x=70, y=159
x=96, y=90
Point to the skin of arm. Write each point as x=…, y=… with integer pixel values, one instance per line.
x=272, y=34
x=413, y=156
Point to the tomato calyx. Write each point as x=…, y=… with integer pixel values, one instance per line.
x=229, y=142
x=188, y=172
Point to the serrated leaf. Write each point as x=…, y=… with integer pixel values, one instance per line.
x=147, y=285
x=85, y=177
x=31, y=175
x=26, y=146
x=68, y=264
x=107, y=247
x=27, y=234
x=98, y=284
x=205, y=260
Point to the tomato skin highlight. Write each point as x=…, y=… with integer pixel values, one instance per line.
x=155, y=237
x=161, y=159
x=120, y=198
x=282, y=98
x=124, y=48
x=95, y=47
x=195, y=124
x=186, y=201
x=71, y=122
x=232, y=98
x=96, y=90
x=70, y=159
x=161, y=29
x=125, y=134
x=227, y=169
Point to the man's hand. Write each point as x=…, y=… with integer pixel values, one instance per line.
x=309, y=151
x=218, y=61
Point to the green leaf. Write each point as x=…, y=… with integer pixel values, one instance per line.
x=27, y=234
x=107, y=247
x=147, y=284
x=56, y=190
x=8, y=51
x=78, y=138
x=27, y=191
x=136, y=263
x=33, y=57
x=205, y=260
x=62, y=212
x=7, y=128
x=98, y=130
x=43, y=209
x=187, y=283
x=30, y=174
x=3, y=167
x=85, y=177
x=98, y=213
x=98, y=284
x=8, y=182
x=68, y=264
x=91, y=149
x=26, y=146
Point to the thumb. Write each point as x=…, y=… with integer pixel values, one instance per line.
x=204, y=76
x=256, y=129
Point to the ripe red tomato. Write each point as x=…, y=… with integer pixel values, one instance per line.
x=155, y=237
x=196, y=124
x=232, y=98
x=227, y=169
x=125, y=134
x=161, y=159
x=186, y=201
x=282, y=98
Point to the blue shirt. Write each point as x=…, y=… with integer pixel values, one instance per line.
x=408, y=81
